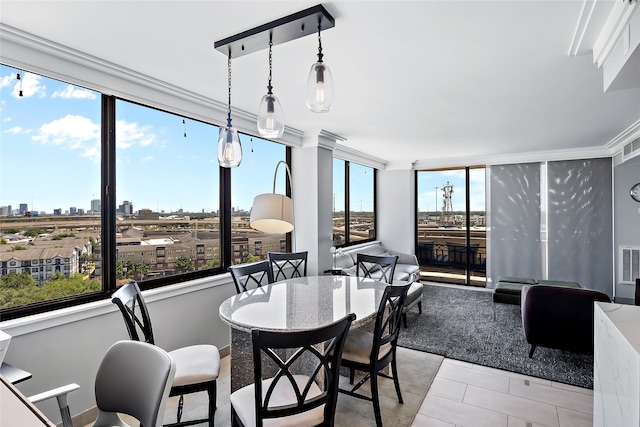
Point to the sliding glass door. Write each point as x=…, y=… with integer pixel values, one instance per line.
x=451, y=233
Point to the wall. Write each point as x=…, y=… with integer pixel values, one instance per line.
x=67, y=346
x=396, y=210
x=626, y=219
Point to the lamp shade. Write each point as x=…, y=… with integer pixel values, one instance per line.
x=272, y=213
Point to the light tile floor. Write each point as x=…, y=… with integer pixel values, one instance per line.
x=463, y=394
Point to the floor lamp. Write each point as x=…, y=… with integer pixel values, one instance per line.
x=272, y=212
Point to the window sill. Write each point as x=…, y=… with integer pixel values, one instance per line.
x=42, y=321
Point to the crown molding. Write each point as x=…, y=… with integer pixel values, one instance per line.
x=351, y=155
x=616, y=145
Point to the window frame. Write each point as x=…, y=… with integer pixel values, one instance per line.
x=347, y=206
x=108, y=219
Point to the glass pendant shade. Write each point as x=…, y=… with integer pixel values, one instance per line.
x=270, y=117
x=320, y=89
x=229, y=148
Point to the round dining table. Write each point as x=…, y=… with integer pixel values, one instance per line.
x=293, y=305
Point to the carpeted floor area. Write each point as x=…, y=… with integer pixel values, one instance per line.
x=458, y=323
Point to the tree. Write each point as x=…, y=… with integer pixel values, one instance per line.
x=184, y=264
x=58, y=275
x=3, y=241
x=212, y=263
x=253, y=258
x=15, y=280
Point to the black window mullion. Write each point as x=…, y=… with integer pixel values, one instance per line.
x=288, y=159
x=108, y=190
x=347, y=204
x=468, y=223
x=225, y=218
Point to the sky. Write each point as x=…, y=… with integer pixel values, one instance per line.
x=50, y=153
x=427, y=193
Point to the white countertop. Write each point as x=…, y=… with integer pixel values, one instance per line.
x=626, y=318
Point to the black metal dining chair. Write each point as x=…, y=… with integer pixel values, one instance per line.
x=376, y=267
x=287, y=265
x=197, y=366
x=370, y=352
x=252, y=275
x=286, y=397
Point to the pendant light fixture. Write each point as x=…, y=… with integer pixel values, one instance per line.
x=270, y=117
x=229, y=147
x=320, y=90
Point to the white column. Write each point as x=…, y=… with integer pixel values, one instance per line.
x=312, y=197
x=396, y=209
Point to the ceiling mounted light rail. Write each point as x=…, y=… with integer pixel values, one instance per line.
x=270, y=121
x=280, y=31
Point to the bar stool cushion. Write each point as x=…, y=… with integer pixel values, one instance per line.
x=196, y=364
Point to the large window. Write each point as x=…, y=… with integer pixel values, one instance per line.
x=253, y=177
x=96, y=191
x=354, y=203
x=50, y=239
x=167, y=197
x=451, y=243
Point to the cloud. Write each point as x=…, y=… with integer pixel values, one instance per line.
x=129, y=134
x=71, y=92
x=72, y=132
x=147, y=159
x=16, y=130
x=7, y=80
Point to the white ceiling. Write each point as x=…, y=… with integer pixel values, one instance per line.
x=415, y=80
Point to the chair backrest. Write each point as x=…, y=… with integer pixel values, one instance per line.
x=388, y=317
x=250, y=276
x=376, y=266
x=134, y=378
x=134, y=311
x=294, y=263
x=321, y=351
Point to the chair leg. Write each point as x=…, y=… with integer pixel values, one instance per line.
x=180, y=405
x=212, y=391
x=396, y=381
x=376, y=399
x=404, y=320
x=533, y=348
x=352, y=374
x=420, y=307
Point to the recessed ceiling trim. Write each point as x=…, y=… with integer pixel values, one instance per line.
x=282, y=30
x=583, y=23
x=620, y=16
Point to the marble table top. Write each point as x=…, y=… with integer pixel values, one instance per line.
x=303, y=303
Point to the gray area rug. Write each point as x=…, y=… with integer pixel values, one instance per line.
x=458, y=324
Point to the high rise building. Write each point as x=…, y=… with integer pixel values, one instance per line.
x=23, y=208
x=126, y=208
x=96, y=206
